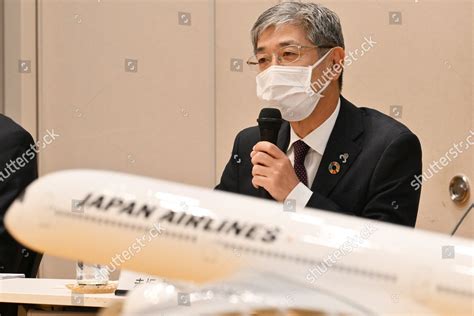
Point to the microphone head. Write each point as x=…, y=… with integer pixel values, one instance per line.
x=269, y=122
x=270, y=113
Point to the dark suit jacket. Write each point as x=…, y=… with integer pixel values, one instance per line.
x=375, y=181
x=14, y=143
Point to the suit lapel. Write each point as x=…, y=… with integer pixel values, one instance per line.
x=341, y=150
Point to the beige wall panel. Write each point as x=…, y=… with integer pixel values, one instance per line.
x=158, y=121
x=20, y=44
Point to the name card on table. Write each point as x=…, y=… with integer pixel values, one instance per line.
x=129, y=280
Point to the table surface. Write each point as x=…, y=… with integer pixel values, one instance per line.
x=50, y=292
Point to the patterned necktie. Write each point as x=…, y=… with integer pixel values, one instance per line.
x=301, y=149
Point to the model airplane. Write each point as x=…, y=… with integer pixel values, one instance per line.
x=245, y=253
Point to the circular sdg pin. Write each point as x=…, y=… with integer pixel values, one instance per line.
x=334, y=167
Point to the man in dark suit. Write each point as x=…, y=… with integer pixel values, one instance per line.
x=18, y=168
x=330, y=154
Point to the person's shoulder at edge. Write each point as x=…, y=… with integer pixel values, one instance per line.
x=11, y=132
x=381, y=127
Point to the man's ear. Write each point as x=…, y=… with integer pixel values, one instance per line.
x=338, y=57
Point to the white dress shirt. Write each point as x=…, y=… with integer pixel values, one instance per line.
x=317, y=141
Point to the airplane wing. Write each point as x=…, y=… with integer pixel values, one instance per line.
x=253, y=293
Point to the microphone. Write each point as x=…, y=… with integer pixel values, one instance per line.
x=269, y=123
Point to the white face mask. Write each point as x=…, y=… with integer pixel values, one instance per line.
x=289, y=89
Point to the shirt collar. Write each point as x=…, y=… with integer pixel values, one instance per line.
x=318, y=139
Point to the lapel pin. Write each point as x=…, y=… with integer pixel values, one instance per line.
x=344, y=157
x=334, y=167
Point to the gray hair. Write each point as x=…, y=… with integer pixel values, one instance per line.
x=322, y=25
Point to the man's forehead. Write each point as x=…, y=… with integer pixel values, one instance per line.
x=283, y=35
x=281, y=43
